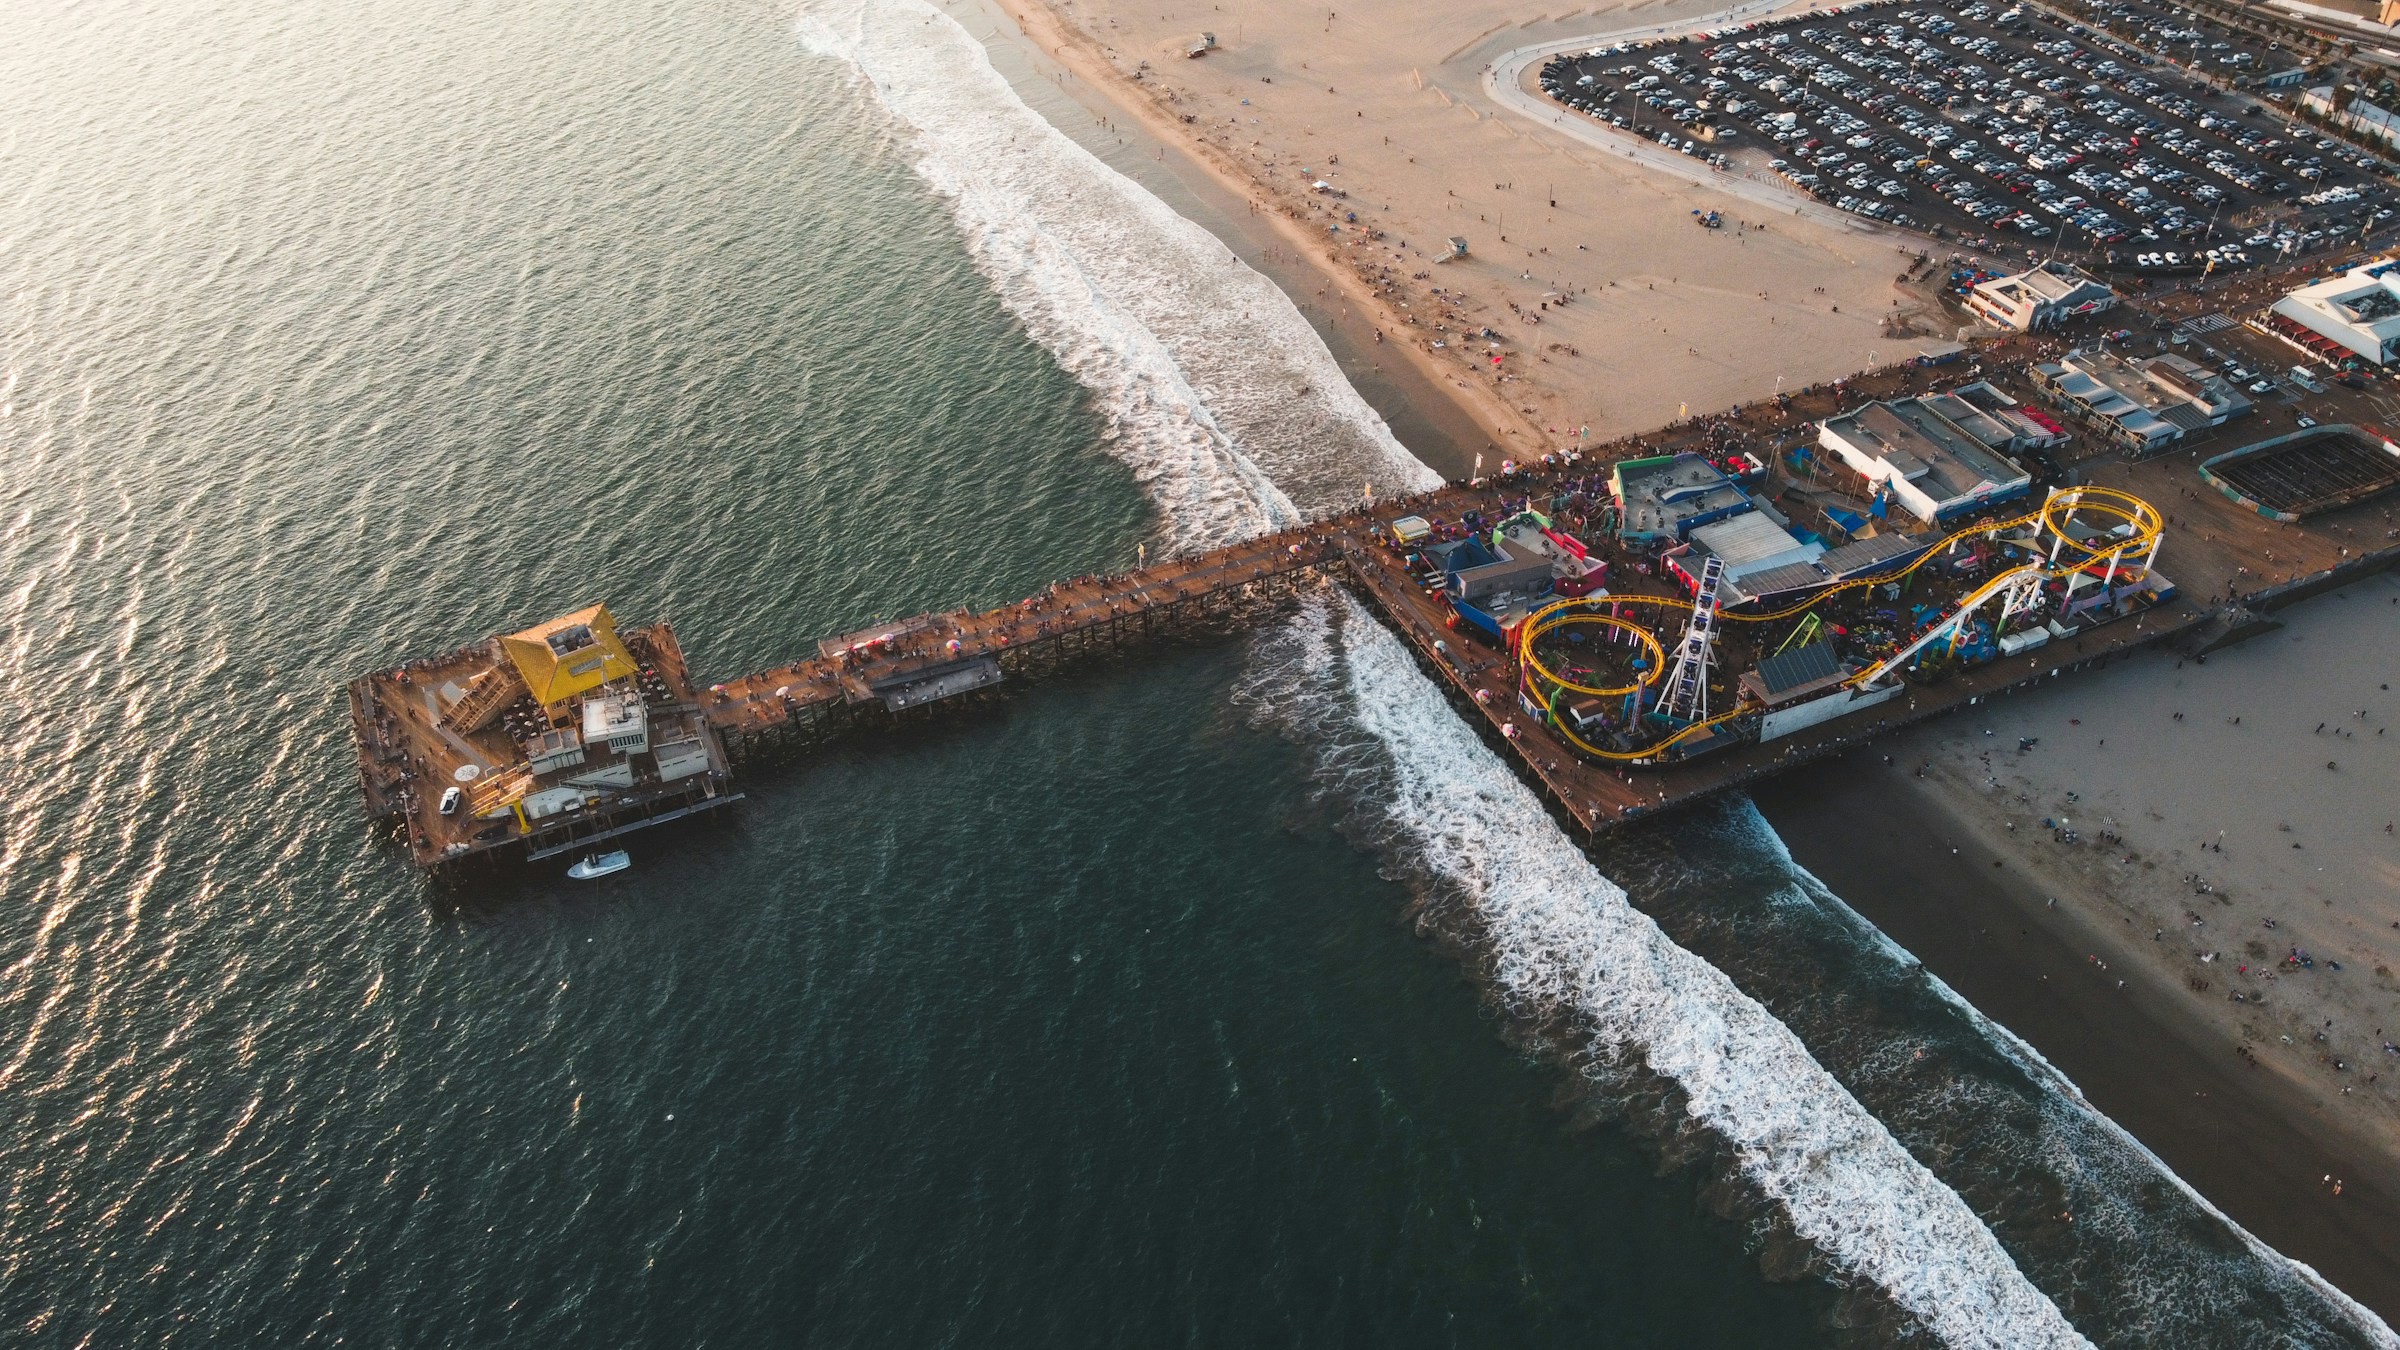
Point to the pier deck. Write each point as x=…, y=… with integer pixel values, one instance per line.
x=2228, y=560
x=2212, y=536
x=1066, y=618
x=408, y=757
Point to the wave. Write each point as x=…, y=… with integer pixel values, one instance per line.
x=1560, y=943
x=1227, y=405
x=2179, y=1270
x=1236, y=419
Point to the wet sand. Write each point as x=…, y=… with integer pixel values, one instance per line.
x=2212, y=845
x=1873, y=836
x=1428, y=415
x=2209, y=1085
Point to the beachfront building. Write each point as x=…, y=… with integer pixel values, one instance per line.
x=1489, y=574
x=1664, y=498
x=572, y=654
x=1494, y=580
x=2355, y=113
x=1785, y=566
x=2290, y=77
x=551, y=663
x=2210, y=399
x=1996, y=421
x=2040, y=298
x=1933, y=467
x=2357, y=313
x=2145, y=406
x=2110, y=398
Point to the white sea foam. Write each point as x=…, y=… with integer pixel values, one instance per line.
x=1225, y=402
x=1236, y=419
x=2066, y=1099
x=1564, y=938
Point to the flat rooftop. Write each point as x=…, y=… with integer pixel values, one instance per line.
x=1660, y=493
x=2050, y=282
x=1912, y=435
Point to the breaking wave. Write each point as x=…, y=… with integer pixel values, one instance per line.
x=1236, y=419
x=1227, y=405
x=1560, y=946
x=2178, y=1270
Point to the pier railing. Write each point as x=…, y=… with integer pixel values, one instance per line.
x=930, y=658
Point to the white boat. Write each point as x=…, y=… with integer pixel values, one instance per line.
x=600, y=865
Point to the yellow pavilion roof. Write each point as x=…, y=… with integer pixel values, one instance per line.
x=569, y=655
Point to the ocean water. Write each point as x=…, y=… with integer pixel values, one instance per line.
x=1232, y=996
x=1921, y=1242
x=333, y=336
x=2146, y=1260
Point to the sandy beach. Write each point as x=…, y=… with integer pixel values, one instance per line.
x=1440, y=422
x=1387, y=106
x=2120, y=955
x=1400, y=109
x=2227, y=814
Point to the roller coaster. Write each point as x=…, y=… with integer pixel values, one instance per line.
x=2065, y=546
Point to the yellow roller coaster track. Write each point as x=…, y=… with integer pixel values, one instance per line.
x=2055, y=514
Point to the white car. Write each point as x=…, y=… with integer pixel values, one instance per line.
x=452, y=799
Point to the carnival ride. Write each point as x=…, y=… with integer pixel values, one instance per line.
x=1687, y=682
x=2068, y=550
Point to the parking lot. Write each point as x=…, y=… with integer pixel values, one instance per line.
x=2252, y=358
x=2187, y=39
x=1999, y=128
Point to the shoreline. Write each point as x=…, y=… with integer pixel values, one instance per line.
x=2251, y=1149
x=2252, y=1123
x=1446, y=425
x=1653, y=324
x=1987, y=934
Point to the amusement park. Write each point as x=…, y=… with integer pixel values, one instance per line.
x=1700, y=647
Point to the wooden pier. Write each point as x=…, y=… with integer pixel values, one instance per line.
x=809, y=701
x=412, y=750
x=2230, y=562
x=891, y=669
